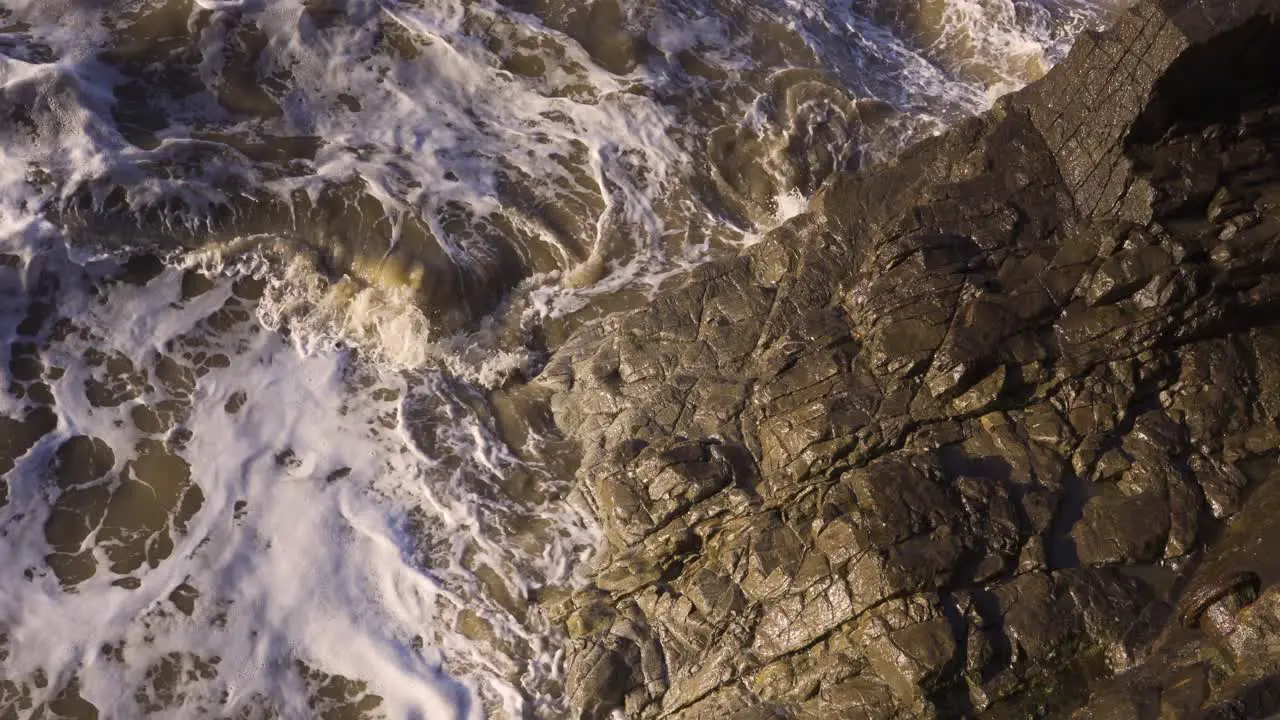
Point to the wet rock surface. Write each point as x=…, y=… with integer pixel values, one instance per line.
x=991, y=431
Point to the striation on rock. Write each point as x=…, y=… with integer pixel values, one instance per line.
x=990, y=431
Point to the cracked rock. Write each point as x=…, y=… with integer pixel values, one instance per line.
x=989, y=431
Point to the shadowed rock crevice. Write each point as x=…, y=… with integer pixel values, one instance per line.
x=990, y=431
x=1217, y=81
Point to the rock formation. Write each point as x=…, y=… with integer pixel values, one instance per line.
x=990, y=431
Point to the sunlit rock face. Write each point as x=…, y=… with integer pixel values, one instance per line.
x=983, y=428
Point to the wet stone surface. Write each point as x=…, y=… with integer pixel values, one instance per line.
x=990, y=431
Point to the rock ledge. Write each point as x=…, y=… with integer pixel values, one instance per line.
x=990, y=431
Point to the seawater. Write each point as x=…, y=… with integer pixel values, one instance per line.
x=273, y=275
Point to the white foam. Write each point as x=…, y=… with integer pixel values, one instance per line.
x=323, y=572
x=790, y=204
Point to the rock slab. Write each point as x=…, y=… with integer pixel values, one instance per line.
x=990, y=431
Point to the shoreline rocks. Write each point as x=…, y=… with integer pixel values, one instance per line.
x=962, y=439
